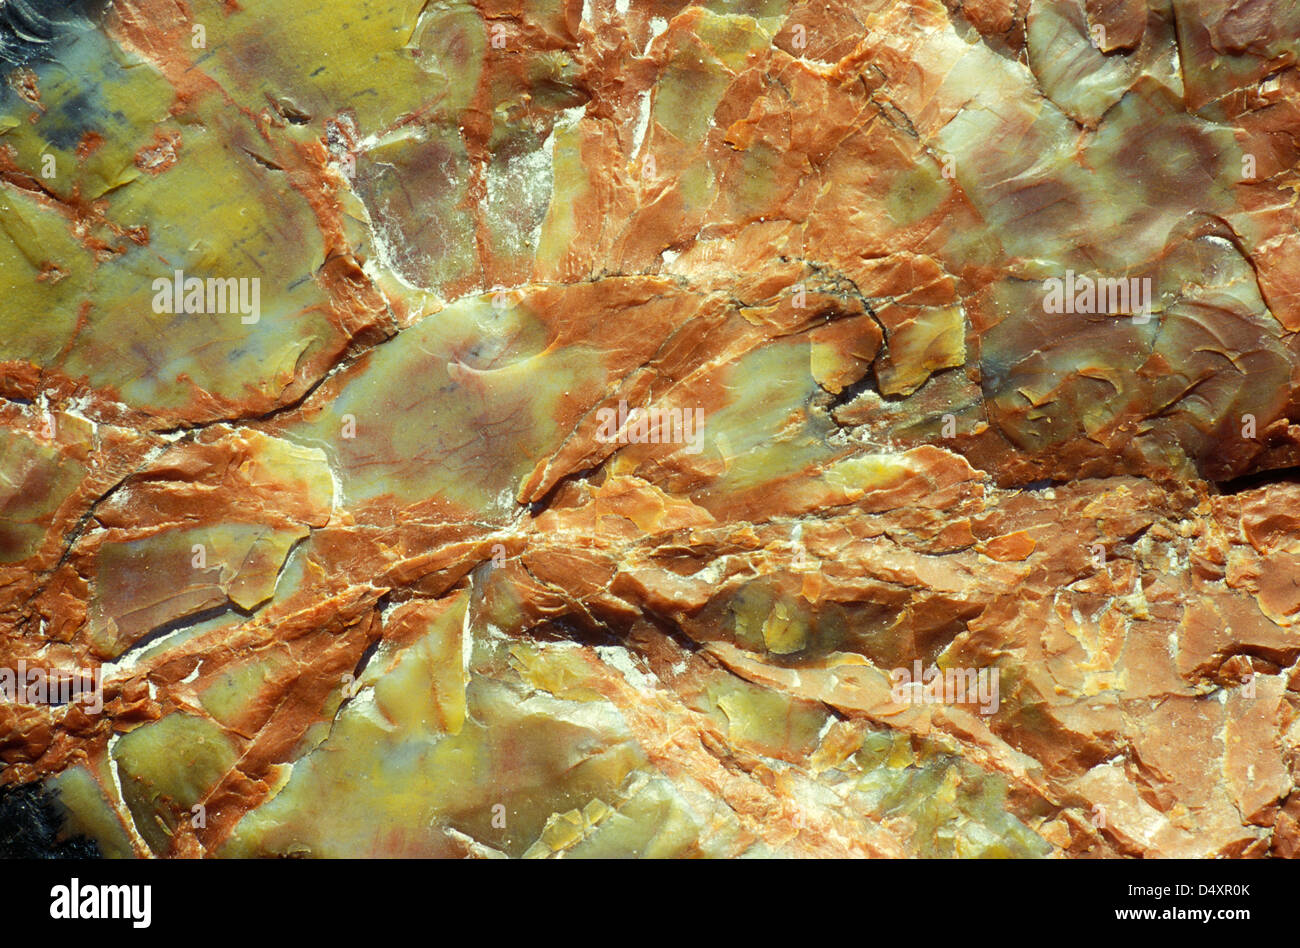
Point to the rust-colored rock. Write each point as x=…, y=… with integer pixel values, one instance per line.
x=606, y=429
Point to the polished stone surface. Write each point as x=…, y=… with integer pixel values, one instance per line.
x=588, y=414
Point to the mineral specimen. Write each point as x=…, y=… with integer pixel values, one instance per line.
x=634, y=427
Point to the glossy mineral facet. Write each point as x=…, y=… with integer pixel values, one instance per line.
x=588, y=429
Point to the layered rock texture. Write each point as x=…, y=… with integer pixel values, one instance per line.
x=612, y=428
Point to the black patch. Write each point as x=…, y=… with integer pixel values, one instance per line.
x=1038, y=485
x=29, y=827
x=70, y=122
x=1257, y=479
x=31, y=30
